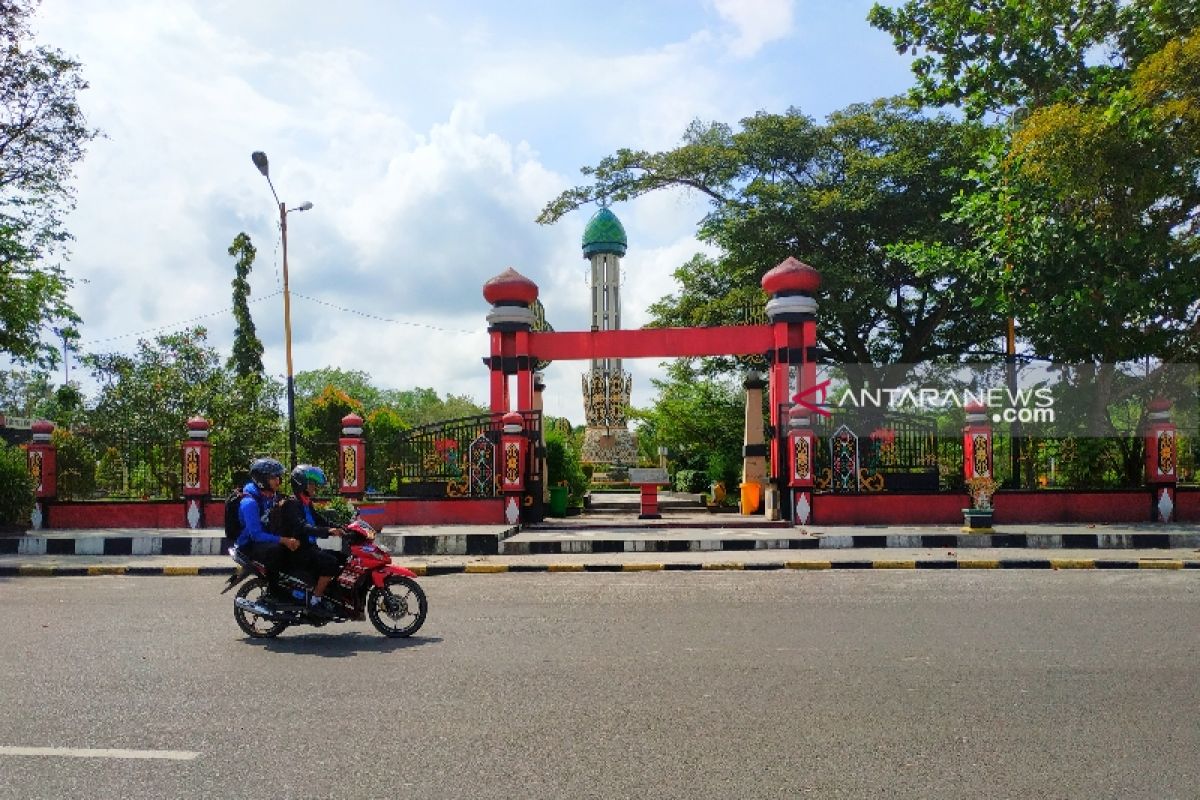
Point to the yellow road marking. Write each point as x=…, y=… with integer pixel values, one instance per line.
x=107, y=570
x=181, y=570
x=808, y=565
x=1073, y=563
x=894, y=564
x=978, y=563
x=641, y=567
x=1164, y=564
x=485, y=568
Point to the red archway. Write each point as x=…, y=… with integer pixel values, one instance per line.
x=787, y=343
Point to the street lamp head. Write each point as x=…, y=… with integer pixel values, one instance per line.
x=305, y=206
x=260, y=160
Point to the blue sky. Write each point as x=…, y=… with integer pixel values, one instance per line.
x=427, y=136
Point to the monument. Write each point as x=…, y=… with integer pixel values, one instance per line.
x=606, y=387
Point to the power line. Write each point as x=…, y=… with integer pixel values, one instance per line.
x=276, y=293
x=177, y=324
x=383, y=319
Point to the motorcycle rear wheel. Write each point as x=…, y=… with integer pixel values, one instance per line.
x=256, y=590
x=398, y=609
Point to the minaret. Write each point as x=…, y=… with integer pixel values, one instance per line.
x=606, y=387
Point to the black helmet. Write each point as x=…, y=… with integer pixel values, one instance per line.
x=263, y=469
x=303, y=474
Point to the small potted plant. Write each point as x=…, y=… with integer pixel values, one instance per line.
x=978, y=518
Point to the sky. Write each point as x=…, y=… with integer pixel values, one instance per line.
x=427, y=136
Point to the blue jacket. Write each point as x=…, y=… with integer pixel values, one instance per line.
x=253, y=508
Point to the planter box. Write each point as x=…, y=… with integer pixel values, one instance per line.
x=977, y=520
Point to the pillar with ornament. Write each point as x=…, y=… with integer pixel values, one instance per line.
x=510, y=322
x=792, y=311
x=43, y=467
x=1162, y=460
x=801, y=450
x=514, y=449
x=196, y=471
x=977, y=443
x=352, y=459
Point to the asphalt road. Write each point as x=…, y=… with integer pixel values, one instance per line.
x=1055, y=684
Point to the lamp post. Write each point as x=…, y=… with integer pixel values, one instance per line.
x=260, y=160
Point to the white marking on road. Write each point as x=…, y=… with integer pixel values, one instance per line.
x=77, y=752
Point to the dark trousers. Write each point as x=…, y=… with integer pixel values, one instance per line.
x=311, y=560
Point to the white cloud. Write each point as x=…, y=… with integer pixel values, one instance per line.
x=757, y=22
x=427, y=144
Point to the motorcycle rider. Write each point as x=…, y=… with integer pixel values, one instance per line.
x=266, y=474
x=298, y=520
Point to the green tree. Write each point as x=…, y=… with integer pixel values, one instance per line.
x=24, y=392
x=700, y=420
x=16, y=488
x=355, y=384
x=76, y=459
x=384, y=425
x=247, y=349
x=562, y=463
x=246, y=423
x=149, y=396
x=320, y=423
x=1083, y=211
x=43, y=135
x=833, y=195
x=1001, y=55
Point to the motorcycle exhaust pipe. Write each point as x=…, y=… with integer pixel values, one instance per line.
x=257, y=609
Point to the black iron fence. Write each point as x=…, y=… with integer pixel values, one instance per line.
x=881, y=454
x=455, y=458
x=91, y=467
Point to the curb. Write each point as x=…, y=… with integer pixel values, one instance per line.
x=433, y=570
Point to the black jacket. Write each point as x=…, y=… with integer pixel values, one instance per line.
x=293, y=523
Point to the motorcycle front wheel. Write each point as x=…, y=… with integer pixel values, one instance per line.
x=398, y=608
x=256, y=590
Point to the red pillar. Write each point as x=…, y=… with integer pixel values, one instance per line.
x=977, y=443
x=1162, y=460
x=352, y=458
x=43, y=466
x=196, y=471
x=801, y=452
x=509, y=322
x=514, y=449
x=792, y=312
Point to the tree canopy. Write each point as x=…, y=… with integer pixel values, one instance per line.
x=43, y=136
x=835, y=195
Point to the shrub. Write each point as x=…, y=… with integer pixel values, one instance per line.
x=691, y=481
x=562, y=464
x=16, y=487
x=338, y=510
x=76, y=465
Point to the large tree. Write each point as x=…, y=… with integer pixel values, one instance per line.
x=835, y=195
x=1084, y=210
x=246, y=360
x=43, y=135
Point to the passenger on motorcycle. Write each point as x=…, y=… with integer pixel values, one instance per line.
x=261, y=493
x=300, y=521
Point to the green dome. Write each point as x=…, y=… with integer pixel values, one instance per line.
x=604, y=234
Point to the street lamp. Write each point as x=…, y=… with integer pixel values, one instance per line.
x=260, y=160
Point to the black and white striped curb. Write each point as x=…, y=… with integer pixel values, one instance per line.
x=431, y=570
x=530, y=544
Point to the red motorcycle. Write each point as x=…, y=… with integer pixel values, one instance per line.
x=369, y=585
